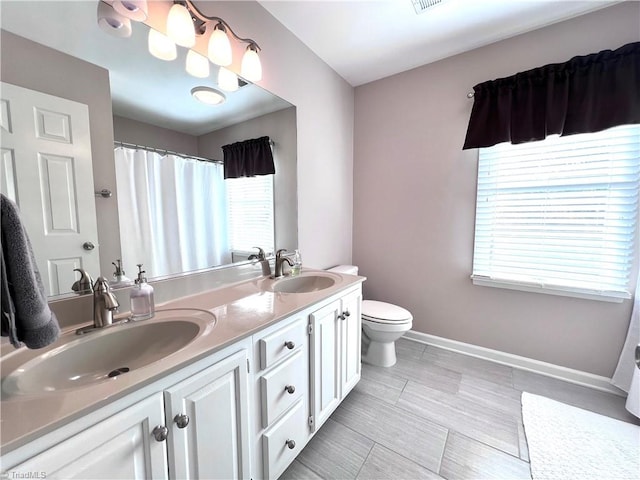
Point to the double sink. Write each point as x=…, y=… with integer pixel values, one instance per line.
x=82, y=361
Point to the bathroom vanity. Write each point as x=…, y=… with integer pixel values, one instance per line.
x=248, y=374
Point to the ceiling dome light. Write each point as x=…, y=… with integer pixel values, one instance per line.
x=227, y=80
x=219, y=46
x=197, y=65
x=136, y=10
x=161, y=46
x=180, y=26
x=112, y=22
x=208, y=95
x=251, y=67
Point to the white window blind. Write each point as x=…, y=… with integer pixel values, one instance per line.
x=250, y=209
x=559, y=215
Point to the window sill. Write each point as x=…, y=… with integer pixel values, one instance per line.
x=611, y=297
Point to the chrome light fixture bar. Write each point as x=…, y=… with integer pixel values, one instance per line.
x=184, y=22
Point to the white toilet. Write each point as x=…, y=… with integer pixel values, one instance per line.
x=382, y=324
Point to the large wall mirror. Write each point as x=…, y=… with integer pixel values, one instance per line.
x=128, y=104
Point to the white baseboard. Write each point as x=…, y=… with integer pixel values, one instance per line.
x=578, y=377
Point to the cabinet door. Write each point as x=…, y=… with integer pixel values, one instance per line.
x=350, y=328
x=215, y=442
x=121, y=447
x=325, y=363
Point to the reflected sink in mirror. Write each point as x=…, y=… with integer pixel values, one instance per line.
x=102, y=355
x=304, y=283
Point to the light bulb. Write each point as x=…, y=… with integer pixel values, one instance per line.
x=161, y=46
x=227, y=80
x=208, y=95
x=180, y=26
x=112, y=22
x=136, y=10
x=220, y=47
x=197, y=65
x=251, y=68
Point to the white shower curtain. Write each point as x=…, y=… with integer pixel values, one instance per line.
x=172, y=213
x=626, y=365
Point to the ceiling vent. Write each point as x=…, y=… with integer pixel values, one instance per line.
x=422, y=5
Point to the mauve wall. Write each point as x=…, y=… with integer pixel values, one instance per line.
x=414, y=203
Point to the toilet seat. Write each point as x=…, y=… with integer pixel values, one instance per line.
x=384, y=313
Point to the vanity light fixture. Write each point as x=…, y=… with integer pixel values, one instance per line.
x=197, y=65
x=184, y=22
x=161, y=46
x=113, y=22
x=227, y=80
x=208, y=95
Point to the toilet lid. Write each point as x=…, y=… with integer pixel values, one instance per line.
x=383, y=312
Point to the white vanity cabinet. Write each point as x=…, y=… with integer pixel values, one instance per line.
x=335, y=331
x=195, y=424
x=120, y=447
x=208, y=420
x=281, y=393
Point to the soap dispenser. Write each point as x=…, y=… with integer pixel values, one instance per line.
x=297, y=263
x=142, y=306
x=119, y=278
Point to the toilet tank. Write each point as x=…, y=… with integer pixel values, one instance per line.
x=346, y=269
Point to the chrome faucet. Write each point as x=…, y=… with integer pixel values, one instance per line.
x=262, y=258
x=85, y=284
x=104, y=304
x=279, y=260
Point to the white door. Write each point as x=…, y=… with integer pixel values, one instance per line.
x=325, y=363
x=208, y=419
x=120, y=447
x=47, y=170
x=351, y=327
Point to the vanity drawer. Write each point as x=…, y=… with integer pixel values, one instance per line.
x=281, y=387
x=284, y=441
x=282, y=343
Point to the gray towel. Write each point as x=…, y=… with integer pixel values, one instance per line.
x=26, y=316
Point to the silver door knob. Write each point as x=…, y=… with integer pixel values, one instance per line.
x=88, y=246
x=289, y=345
x=290, y=389
x=181, y=420
x=160, y=433
x=291, y=444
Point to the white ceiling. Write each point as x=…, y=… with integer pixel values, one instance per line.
x=367, y=40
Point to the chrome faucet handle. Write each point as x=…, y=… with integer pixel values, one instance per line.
x=102, y=288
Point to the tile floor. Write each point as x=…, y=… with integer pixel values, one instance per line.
x=436, y=414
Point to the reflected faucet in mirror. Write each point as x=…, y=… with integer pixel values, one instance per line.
x=262, y=258
x=85, y=284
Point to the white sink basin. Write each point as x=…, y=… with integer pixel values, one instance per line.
x=100, y=356
x=304, y=283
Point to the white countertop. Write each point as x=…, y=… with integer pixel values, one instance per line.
x=225, y=315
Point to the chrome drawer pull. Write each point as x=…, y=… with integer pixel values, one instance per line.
x=290, y=389
x=290, y=345
x=182, y=420
x=160, y=433
x=291, y=444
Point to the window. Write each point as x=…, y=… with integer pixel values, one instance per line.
x=250, y=212
x=559, y=215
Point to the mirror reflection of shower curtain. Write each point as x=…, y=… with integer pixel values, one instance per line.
x=172, y=213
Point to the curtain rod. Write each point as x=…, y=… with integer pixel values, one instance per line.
x=163, y=151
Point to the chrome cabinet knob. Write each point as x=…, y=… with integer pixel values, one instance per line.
x=341, y=316
x=88, y=246
x=291, y=444
x=181, y=420
x=289, y=345
x=290, y=389
x=347, y=314
x=160, y=433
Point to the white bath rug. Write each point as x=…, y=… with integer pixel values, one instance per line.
x=567, y=443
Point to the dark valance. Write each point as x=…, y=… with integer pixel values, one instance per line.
x=248, y=159
x=586, y=94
